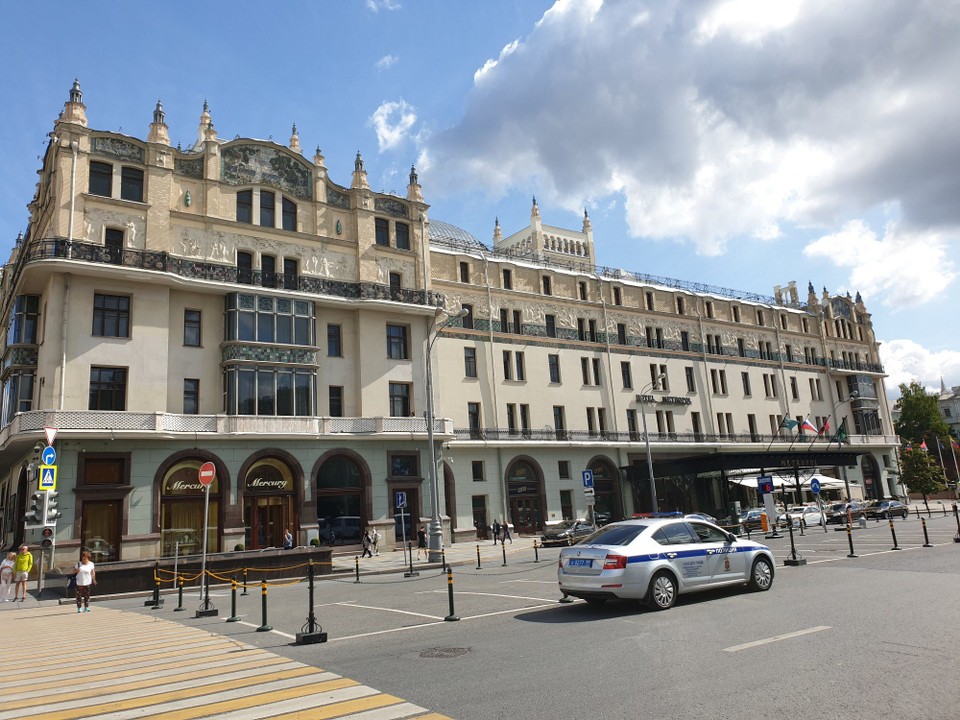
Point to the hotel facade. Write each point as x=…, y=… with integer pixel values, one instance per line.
x=232, y=303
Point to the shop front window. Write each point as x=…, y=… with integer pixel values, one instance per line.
x=181, y=511
x=269, y=505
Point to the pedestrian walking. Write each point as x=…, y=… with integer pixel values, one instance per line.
x=375, y=537
x=366, y=542
x=422, y=543
x=506, y=532
x=287, y=539
x=496, y=531
x=86, y=576
x=6, y=576
x=22, y=566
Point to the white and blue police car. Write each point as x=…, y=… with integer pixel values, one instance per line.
x=655, y=560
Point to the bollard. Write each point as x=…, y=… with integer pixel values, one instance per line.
x=850, y=540
x=356, y=564
x=263, y=607
x=803, y=524
x=179, y=607
x=478, y=550
x=929, y=511
x=451, y=616
x=503, y=547
x=443, y=560
x=206, y=608
x=154, y=599
x=536, y=553
x=917, y=508
x=156, y=595
x=244, y=582
x=956, y=514
x=411, y=572
x=311, y=632
x=233, y=601
x=944, y=508
x=926, y=537
x=893, y=532
x=793, y=560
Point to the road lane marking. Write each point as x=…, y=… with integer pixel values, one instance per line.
x=288, y=636
x=777, y=638
x=499, y=595
x=393, y=610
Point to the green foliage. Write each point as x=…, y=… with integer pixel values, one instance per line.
x=315, y=542
x=921, y=473
x=920, y=416
x=238, y=547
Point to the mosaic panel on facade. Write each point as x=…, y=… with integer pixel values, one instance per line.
x=259, y=165
x=258, y=353
x=117, y=148
x=192, y=168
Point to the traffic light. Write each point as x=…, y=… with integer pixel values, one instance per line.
x=52, y=512
x=35, y=513
x=48, y=539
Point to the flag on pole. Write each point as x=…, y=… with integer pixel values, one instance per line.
x=826, y=427
x=788, y=423
x=840, y=436
x=953, y=444
x=807, y=425
x=923, y=446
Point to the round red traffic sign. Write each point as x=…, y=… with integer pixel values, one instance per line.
x=207, y=473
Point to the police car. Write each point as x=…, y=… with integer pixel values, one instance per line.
x=656, y=560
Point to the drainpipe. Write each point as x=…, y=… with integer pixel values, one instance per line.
x=706, y=374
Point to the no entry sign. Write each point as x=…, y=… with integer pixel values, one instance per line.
x=207, y=473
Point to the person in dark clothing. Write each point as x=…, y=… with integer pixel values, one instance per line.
x=422, y=543
x=496, y=531
x=367, y=542
x=506, y=533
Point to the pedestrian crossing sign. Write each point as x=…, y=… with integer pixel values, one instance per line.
x=48, y=477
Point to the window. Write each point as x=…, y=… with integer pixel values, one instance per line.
x=783, y=322
x=470, y=362
x=464, y=272
x=566, y=504
x=268, y=209
x=399, y=399
x=770, y=385
x=525, y=420
x=512, y=418
x=402, y=231
x=468, y=317
x=477, y=468
x=649, y=299
x=563, y=467
x=335, y=404
x=632, y=423
x=24, y=318
x=741, y=348
x=553, y=361
x=581, y=329
x=788, y=352
x=551, y=321
x=507, y=365
x=245, y=206
x=718, y=380
x=101, y=179
x=396, y=283
x=334, y=341
x=794, y=390
x=265, y=390
x=582, y=286
x=591, y=421
x=131, y=184
x=111, y=316
x=804, y=325
x=696, y=426
x=473, y=419
x=289, y=215
x=517, y=322
x=658, y=377
x=752, y=427
x=708, y=305
x=113, y=242
x=585, y=370
x=736, y=313
x=745, y=377
x=681, y=306
x=290, y=272
x=403, y=465
x=18, y=393
x=397, y=342
x=507, y=280
x=547, y=286
x=594, y=337
x=621, y=334
x=191, y=396
x=617, y=296
x=760, y=317
x=108, y=388
x=191, y=328
x=521, y=369
x=597, y=376
x=559, y=421
x=244, y=267
x=259, y=318
x=382, y=231
x=626, y=375
x=685, y=341
x=268, y=271
x=691, y=383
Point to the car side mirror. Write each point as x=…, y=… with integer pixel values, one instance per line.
x=731, y=538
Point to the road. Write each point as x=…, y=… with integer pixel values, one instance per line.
x=873, y=636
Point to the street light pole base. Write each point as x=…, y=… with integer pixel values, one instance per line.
x=795, y=562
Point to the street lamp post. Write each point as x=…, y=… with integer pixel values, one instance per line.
x=435, y=534
x=646, y=439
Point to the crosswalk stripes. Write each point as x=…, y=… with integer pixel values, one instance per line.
x=115, y=665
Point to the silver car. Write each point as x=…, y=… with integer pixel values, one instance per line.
x=656, y=560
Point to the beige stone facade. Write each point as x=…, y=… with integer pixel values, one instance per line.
x=232, y=303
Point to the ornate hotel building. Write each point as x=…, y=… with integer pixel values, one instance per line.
x=231, y=303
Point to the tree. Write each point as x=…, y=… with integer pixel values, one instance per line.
x=921, y=473
x=920, y=416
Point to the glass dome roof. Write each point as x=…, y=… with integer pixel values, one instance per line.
x=443, y=232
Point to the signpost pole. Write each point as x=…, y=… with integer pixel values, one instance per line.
x=207, y=475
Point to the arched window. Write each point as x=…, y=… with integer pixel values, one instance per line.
x=340, y=499
x=181, y=510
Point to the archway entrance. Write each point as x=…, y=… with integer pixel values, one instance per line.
x=525, y=496
x=341, y=500
x=606, y=488
x=269, y=503
x=872, y=485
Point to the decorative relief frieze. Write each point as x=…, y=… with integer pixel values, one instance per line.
x=261, y=165
x=117, y=148
x=328, y=265
x=337, y=198
x=133, y=226
x=236, y=352
x=191, y=167
x=391, y=207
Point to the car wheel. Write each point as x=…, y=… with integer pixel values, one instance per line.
x=663, y=591
x=595, y=601
x=761, y=575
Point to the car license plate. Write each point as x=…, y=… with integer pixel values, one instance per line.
x=579, y=562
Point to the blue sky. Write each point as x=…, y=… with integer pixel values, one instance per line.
x=738, y=143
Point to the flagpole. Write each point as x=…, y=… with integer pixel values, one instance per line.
x=939, y=451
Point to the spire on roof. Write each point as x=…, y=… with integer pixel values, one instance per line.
x=359, y=174
x=74, y=111
x=414, y=191
x=295, y=139
x=158, y=128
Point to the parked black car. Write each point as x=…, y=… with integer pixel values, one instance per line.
x=887, y=509
x=837, y=513
x=567, y=533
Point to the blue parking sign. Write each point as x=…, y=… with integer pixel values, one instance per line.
x=587, y=478
x=401, y=499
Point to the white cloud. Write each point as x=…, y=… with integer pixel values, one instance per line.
x=901, y=269
x=377, y=5
x=905, y=361
x=392, y=122
x=386, y=62
x=724, y=119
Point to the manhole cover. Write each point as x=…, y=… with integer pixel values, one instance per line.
x=444, y=652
